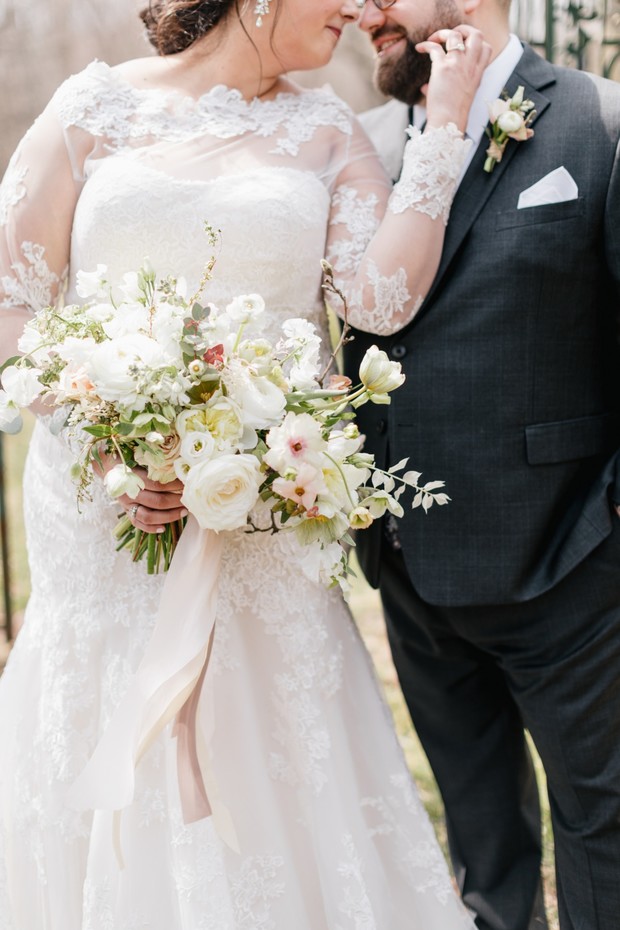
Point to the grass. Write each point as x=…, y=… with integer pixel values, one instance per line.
x=367, y=610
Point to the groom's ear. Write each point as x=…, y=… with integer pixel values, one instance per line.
x=470, y=7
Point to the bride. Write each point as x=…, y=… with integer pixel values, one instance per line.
x=315, y=824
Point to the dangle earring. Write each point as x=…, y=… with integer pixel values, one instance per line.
x=261, y=9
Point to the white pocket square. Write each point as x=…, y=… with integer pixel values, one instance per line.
x=556, y=187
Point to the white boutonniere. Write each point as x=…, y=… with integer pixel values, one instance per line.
x=510, y=118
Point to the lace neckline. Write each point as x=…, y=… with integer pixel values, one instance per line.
x=104, y=103
x=218, y=93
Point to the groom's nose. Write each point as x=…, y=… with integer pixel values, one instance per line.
x=371, y=17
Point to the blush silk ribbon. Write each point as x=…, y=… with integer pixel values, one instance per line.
x=167, y=684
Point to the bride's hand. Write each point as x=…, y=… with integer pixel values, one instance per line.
x=155, y=505
x=459, y=57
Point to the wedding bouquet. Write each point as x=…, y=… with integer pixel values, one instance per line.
x=157, y=379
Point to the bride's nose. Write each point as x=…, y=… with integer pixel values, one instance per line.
x=351, y=9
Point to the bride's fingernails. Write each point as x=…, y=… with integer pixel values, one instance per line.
x=159, y=529
x=184, y=513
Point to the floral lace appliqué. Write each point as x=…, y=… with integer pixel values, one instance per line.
x=32, y=284
x=105, y=104
x=431, y=166
x=359, y=216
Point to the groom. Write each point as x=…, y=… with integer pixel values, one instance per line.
x=503, y=608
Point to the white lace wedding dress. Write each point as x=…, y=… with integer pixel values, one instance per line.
x=330, y=832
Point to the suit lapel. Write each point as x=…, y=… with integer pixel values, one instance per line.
x=477, y=185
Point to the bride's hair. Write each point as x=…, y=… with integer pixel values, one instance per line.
x=173, y=25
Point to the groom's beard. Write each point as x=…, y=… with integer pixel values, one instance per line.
x=404, y=75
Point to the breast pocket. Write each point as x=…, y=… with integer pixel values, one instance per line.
x=545, y=213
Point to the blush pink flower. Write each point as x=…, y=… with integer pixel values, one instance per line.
x=303, y=488
x=298, y=439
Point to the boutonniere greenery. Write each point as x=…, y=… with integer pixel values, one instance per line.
x=510, y=118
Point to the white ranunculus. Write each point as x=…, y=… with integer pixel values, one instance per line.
x=122, y=480
x=10, y=417
x=92, y=283
x=221, y=492
x=197, y=447
x=21, y=385
x=510, y=121
x=378, y=374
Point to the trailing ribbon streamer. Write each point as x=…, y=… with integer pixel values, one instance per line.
x=168, y=682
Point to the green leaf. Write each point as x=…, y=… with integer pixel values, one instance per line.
x=99, y=430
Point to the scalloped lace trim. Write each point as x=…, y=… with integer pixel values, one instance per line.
x=105, y=104
x=431, y=167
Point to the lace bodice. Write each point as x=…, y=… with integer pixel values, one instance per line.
x=112, y=173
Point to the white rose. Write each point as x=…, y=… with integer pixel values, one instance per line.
x=246, y=307
x=73, y=381
x=10, y=417
x=100, y=313
x=76, y=351
x=379, y=375
x=510, y=121
x=122, y=480
x=110, y=364
x=220, y=493
x=21, y=385
x=128, y=320
x=261, y=401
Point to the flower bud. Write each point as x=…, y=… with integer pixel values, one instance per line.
x=122, y=480
x=378, y=374
x=510, y=121
x=360, y=518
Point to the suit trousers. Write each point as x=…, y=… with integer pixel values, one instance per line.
x=473, y=678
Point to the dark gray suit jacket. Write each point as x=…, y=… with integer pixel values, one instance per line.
x=513, y=362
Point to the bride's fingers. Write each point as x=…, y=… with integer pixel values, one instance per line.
x=153, y=521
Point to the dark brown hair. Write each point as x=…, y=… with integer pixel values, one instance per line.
x=173, y=25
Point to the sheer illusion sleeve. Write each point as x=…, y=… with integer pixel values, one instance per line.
x=37, y=201
x=385, y=247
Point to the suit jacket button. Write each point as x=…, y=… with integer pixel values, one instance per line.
x=398, y=350
x=381, y=426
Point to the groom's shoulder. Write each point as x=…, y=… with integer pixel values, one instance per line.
x=387, y=116
x=386, y=125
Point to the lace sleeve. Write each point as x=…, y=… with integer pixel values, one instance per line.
x=385, y=252
x=37, y=199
